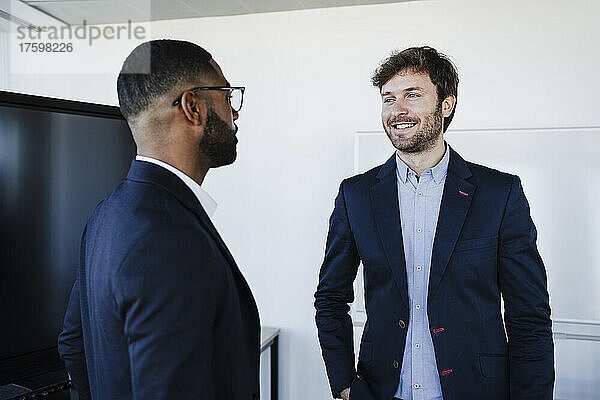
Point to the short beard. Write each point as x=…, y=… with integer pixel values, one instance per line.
x=425, y=138
x=219, y=141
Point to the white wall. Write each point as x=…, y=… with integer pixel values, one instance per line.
x=522, y=65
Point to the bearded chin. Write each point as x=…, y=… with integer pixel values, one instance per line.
x=425, y=138
x=219, y=141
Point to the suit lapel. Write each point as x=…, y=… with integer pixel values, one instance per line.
x=207, y=223
x=456, y=200
x=385, y=208
x=142, y=171
x=151, y=173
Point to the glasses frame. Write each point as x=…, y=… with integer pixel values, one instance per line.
x=229, y=88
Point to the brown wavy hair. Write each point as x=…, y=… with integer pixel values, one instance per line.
x=438, y=66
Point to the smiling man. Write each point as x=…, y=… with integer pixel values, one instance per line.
x=441, y=241
x=160, y=309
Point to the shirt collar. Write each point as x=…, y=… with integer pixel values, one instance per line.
x=441, y=169
x=402, y=169
x=438, y=172
x=207, y=202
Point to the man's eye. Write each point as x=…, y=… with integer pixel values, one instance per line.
x=388, y=100
x=412, y=95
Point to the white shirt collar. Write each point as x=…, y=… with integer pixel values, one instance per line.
x=207, y=202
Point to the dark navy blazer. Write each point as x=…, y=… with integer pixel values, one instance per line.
x=484, y=248
x=159, y=304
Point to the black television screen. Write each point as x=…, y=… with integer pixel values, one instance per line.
x=58, y=159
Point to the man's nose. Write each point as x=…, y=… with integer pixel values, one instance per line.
x=399, y=109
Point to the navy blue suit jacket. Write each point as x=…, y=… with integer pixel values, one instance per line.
x=159, y=309
x=485, y=247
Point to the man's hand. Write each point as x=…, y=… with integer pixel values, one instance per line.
x=345, y=394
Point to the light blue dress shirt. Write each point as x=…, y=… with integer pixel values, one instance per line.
x=419, y=201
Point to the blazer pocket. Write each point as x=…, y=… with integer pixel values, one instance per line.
x=365, y=353
x=478, y=243
x=493, y=365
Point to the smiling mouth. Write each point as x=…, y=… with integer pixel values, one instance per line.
x=403, y=126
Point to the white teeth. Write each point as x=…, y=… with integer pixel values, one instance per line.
x=403, y=126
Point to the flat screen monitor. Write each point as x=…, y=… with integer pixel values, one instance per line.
x=58, y=160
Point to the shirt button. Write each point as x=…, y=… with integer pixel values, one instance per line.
x=418, y=306
x=395, y=364
x=402, y=324
x=419, y=268
x=417, y=346
x=416, y=385
x=419, y=229
x=420, y=193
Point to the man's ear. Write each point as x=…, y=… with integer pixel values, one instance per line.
x=448, y=105
x=194, y=108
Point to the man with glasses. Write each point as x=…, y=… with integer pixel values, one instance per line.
x=159, y=309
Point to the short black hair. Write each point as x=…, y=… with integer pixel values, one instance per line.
x=424, y=59
x=154, y=68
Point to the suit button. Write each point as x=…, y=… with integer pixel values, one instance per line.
x=402, y=324
x=395, y=364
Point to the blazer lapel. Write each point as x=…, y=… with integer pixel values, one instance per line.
x=204, y=219
x=386, y=210
x=456, y=200
x=207, y=223
x=151, y=173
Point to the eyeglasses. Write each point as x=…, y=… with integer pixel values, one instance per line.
x=235, y=96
